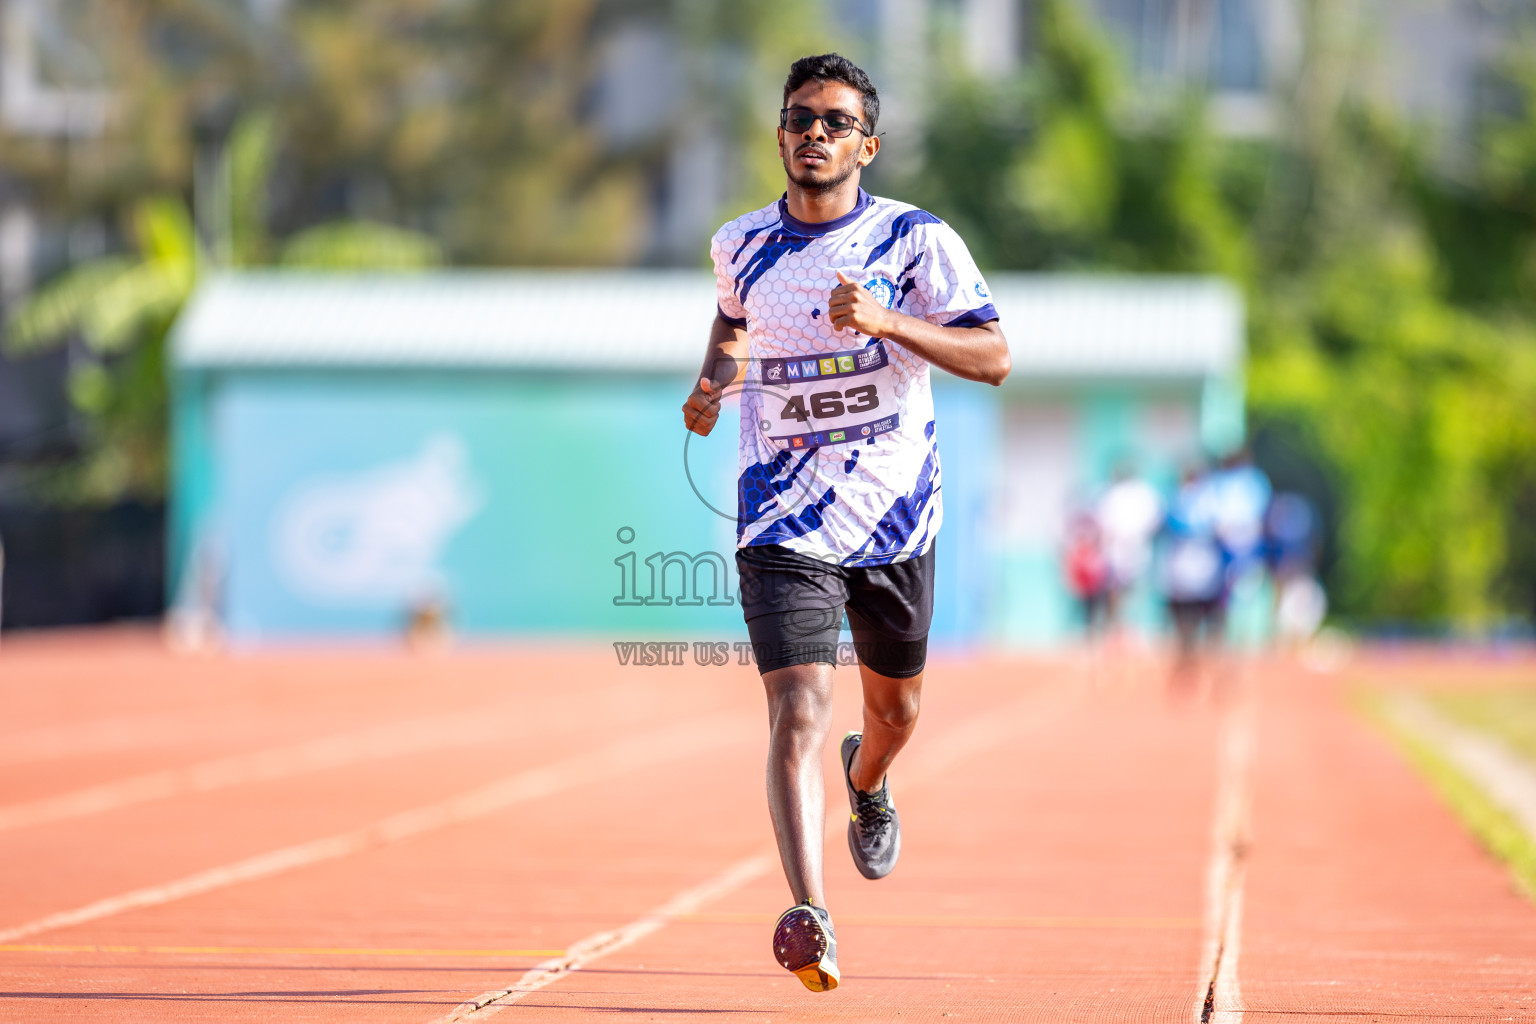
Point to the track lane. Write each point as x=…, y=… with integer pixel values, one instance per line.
x=1367, y=900
x=390, y=739
x=47, y=867
x=921, y=765
x=584, y=769
x=1050, y=916
x=69, y=722
x=1097, y=845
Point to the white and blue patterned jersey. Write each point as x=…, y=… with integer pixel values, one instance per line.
x=862, y=487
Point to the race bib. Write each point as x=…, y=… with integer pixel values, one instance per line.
x=842, y=398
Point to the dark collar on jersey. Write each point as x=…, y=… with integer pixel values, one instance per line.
x=800, y=227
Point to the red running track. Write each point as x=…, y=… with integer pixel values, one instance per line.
x=351, y=836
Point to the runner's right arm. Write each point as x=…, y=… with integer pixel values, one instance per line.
x=724, y=361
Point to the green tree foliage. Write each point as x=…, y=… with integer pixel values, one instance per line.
x=1053, y=171
x=1390, y=322
x=468, y=120
x=360, y=146
x=1390, y=300
x=122, y=309
x=362, y=133
x=740, y=53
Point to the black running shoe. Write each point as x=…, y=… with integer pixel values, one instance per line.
x=803, y=942
x=874, y=830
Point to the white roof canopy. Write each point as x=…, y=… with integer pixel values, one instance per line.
x=1059, y=327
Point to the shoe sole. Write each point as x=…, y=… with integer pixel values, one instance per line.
x=819, y=974
x=816, y=979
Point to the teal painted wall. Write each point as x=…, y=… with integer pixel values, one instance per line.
x=194, y=478
x=540, y=492
x=540, y=476
x=1035, y=610
x=335, y=502
x=969, y=419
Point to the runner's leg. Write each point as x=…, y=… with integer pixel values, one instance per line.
x=890, y=715
x=889, y=610
x=799, y=718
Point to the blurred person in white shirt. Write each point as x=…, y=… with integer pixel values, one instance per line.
x=1129, y=514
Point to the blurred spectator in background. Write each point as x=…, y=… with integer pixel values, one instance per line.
x=1290, y=529
x=1087, y=572
x=1129, y=515
x=1291, y=544
x=1194, y=576
x=1240, y=494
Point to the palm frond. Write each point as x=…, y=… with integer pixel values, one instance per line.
x=62, y=305
x=166, y=234
x=143, y=296
x=250, y=155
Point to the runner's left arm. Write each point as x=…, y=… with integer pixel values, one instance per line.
x=723, y=363
x=977, y=353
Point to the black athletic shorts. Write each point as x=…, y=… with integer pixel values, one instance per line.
x=794, y=605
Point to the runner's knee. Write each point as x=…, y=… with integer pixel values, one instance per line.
x=898, y=712
x=799, y=703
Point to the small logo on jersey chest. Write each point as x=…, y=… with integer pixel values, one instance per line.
x=884, y=291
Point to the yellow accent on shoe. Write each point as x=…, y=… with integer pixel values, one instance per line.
x=816, y=979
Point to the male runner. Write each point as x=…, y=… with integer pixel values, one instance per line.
x=840, y=301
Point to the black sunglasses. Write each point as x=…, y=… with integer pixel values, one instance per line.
x=799, y=120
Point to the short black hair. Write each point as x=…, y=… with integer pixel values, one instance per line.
x=834, y=67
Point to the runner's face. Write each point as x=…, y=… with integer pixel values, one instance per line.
x=813, y=159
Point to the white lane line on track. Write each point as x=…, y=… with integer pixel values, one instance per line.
x=1507, y=778
x=594, y=946
x=101, y=736
x=669, y=744
x=1219, y=999
x=380, y=742
x=973, y=736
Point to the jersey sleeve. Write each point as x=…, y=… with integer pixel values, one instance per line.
x=950, y=288
x=730, y=308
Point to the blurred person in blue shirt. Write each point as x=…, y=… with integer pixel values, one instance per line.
x=1194, y=574
x=1291, y=545
x=1240, y=494
x=1290, y=528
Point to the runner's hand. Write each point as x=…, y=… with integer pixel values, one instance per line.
x=853, y=307
x=703, y=407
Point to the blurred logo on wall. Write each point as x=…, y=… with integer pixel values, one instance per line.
x=376, y=536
